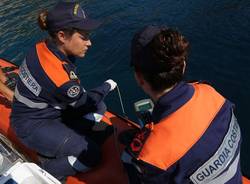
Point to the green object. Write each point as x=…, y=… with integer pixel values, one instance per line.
x=144, y=109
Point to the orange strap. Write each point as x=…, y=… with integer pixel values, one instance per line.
x=176, y=134
x=52, y=66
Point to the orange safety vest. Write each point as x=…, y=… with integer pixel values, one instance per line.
x=52, y=66
x=173, y=136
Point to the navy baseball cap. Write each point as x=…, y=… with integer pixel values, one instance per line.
x=141, y=53
x=69, y=14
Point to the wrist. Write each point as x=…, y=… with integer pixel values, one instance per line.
x=107, y=86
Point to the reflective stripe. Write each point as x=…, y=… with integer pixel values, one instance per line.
x=93, y=117
x=76, y=164
x=222, y=158
x=57, y=107
x=32, y=104
x=229, y=174
x=28, y=102
x=73, y=104
x=98, y=114
x=28, y=80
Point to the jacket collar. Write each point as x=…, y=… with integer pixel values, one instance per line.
x=171, y=101
x=52, y=47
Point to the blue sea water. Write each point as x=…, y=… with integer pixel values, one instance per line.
x=217, y=29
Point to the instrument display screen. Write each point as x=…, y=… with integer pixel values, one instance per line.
x=144, y=107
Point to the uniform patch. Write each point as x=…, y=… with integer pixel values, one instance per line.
x=223, y=157
x=76, y=9
x=28, y=80
x=73, y=91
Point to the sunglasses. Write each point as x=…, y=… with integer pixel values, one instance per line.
x=84, y=35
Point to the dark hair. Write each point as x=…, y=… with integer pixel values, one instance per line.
x=168, y=50
x=42, y=22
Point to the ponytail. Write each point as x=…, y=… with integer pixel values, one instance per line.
x=43, y=24
x=42, y=20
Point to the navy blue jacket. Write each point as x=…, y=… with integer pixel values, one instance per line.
x=38, y=98
x=210, y=160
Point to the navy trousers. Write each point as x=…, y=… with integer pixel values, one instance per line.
x=66, y=145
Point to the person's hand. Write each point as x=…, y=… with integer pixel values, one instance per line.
x=112, y=84
x=10, y=96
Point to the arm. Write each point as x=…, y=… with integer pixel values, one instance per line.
x=73, y=94
x=142, y=171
